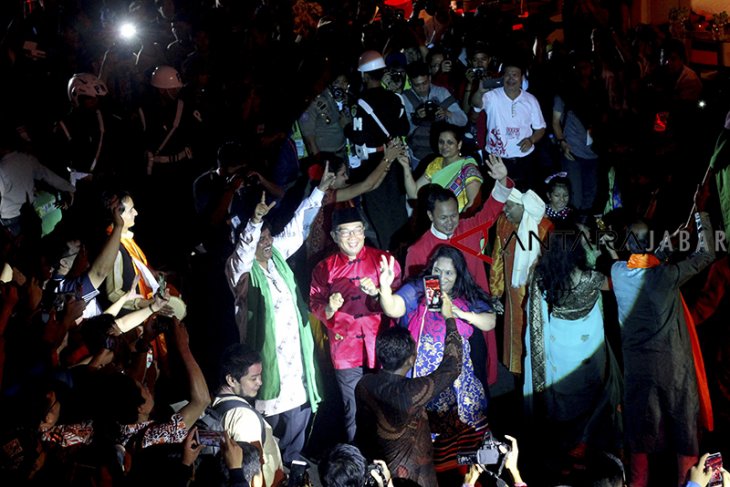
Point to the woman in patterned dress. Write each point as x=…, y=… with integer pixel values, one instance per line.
x=458, y=415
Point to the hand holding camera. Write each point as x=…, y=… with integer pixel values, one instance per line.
x=430, y=109
x=378, y=475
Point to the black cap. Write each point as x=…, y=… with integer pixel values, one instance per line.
x=346, y=215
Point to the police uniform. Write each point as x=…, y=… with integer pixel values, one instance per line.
x=384, y=206
x=170, y=157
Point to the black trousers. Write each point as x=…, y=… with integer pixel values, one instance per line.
x=291, y=429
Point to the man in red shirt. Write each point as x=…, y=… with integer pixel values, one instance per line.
x=347, y=306
x=467, y=235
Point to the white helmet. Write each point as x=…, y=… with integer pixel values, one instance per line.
x=166, y=77
x=85, y=84
x=370, y=61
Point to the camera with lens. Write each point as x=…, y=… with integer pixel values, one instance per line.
x=430, y=107
x=487, y=454
x=397, y=77
x=369, y=480
x=479, y=73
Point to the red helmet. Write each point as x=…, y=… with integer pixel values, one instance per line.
x=166, y=77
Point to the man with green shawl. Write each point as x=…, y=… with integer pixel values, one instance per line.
x=272, y=318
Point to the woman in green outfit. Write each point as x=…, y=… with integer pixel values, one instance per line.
x=449, y=170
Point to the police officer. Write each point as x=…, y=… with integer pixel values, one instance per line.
x=171, y=126
x=377, y=117
x=83, y=136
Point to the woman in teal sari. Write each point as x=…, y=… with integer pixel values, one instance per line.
x=572, y=386
x=449, y=170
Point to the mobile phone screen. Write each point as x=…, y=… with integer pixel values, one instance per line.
x=714, y=463
x=209, y=438
x=432, y=286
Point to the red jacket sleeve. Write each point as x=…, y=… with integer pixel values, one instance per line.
x=319, y=294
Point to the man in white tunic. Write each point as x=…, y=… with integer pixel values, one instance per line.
x=272, y=318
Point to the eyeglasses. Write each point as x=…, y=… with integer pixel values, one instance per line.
x=355, y=232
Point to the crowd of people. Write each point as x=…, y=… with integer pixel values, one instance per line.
x=243, y=238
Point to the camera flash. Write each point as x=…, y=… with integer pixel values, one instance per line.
x=702, y=104
x=127, y=30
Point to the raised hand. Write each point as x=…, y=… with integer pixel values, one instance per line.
x=117, y=210
x=393, y=149
x=262, y=209
x=328, y=178
x=387, y=271
x=497, y=169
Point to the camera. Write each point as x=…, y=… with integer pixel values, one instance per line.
x=430, y=107
x=396, y=76
x=298, y=475
x=487, y=454
x=479, y=73
x=369, y=480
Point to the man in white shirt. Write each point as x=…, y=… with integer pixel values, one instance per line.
x=272, y=319
x=18, y=173
x=514, y=124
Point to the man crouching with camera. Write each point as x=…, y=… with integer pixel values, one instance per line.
x=396, y=404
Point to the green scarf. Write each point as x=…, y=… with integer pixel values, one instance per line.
x=260, y=331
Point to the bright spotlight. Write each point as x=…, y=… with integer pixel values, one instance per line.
x=127, y=30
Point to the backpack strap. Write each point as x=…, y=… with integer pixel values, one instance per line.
x=447, y=102
x=412, y=98
x=238, y=402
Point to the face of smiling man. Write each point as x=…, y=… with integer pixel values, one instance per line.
x=263, y=248
x=350, y=238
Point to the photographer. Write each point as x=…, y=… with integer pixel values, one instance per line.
x=480, y=69
x=345, y=466
x=510, y=463
x=425, y=104
x=396, y=404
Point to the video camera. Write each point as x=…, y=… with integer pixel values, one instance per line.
x=487, y=454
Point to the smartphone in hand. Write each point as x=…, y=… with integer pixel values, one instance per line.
x=714, y=464
x=432, y=286
x=209, y=438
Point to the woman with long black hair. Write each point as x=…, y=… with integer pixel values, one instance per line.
x=458, y=414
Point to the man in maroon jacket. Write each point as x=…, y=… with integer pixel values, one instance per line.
x=348, y=307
